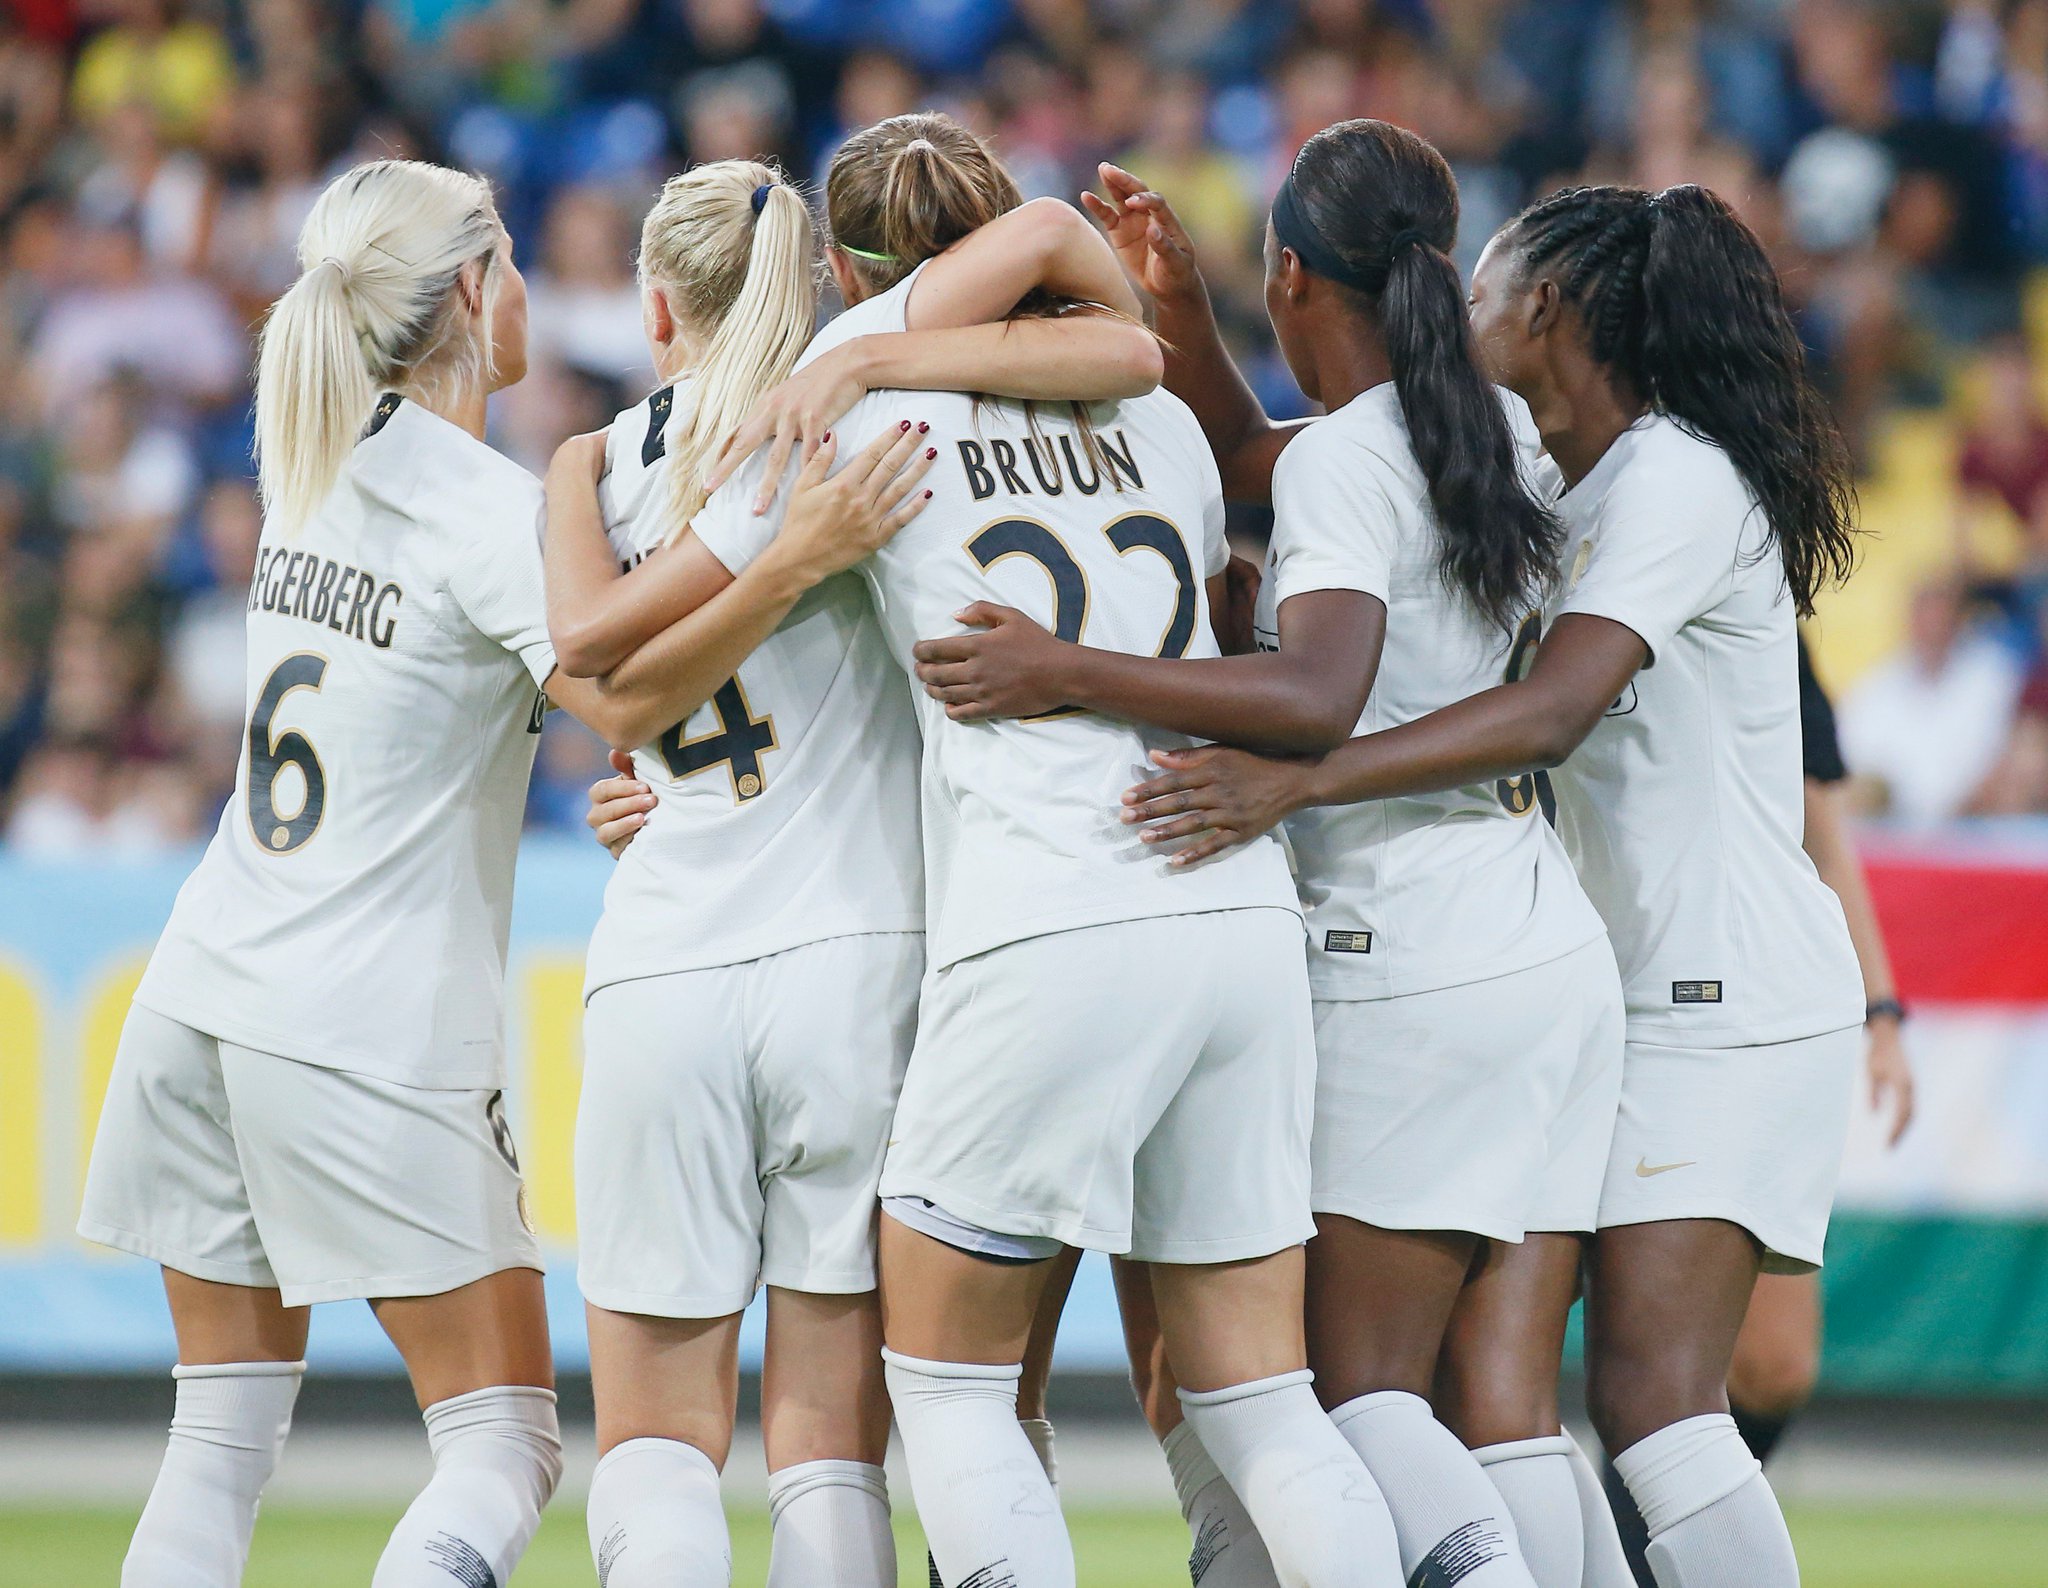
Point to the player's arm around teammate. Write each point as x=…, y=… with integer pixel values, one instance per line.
x=1405, y=515
x=1709, y=500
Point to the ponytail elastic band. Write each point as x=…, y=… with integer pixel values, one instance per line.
x=1407, y=237
x=863, y=253
x=341, y=267
x=761, y=196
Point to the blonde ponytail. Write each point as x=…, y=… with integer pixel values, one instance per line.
x=374, y=309
x=744, y=281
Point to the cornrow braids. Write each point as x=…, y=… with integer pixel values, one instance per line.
x=1680, y=301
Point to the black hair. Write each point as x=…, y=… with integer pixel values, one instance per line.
x=1386, y=205
x=1680, y=301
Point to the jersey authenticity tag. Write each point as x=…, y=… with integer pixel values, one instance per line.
x=1695, y=992
x=1347, y=942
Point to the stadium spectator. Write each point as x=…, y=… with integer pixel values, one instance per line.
x=1924, y=729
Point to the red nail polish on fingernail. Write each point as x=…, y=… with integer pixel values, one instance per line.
x=827, y=436
x=931, y=452
x=927, y=496
x=904, y=426
x=922, y=428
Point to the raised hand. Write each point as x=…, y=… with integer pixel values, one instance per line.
x=1148, y=237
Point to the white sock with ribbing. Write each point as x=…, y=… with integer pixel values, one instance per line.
x=656, y=1518
x=1606, y=1562
x=1453, y=1525
x=985, y=1501
x=1323, y=1518
x=229, y=1424
x=830, y=1526
x=1227, y=1551
x=497, y=1459
x=1534, y=1478
x=1713, y=1520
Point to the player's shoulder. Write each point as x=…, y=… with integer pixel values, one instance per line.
x=1366, y=439
x=1668, y=473
x=885, y=311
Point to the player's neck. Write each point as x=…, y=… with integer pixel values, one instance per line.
x=1581, y=412
x=1348, y=360
x=465, y=411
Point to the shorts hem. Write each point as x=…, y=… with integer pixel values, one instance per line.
x=649, y=1304
x=1220, y=1249
x=1782, y=1254
x=1463, y=1221
x=209, y=1269
x=824, y=1282
x=392, y=1287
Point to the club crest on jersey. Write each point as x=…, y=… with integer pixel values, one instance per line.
x=1695, y=992
x=1347, y=942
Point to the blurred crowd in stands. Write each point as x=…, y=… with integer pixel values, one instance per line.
x=158, y=156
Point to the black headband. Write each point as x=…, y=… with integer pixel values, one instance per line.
x=1294, y=229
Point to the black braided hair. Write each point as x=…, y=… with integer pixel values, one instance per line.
x=1386, y=202
x=1680, y=301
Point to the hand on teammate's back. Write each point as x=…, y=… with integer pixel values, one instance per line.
x=835, y=520
x=803, y=408
x=1216, y=796
x=1149, y=240
x=619, y=805
x=1007, y=667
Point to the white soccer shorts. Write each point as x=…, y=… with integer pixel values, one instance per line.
x=1142, y=1087
x=1751, y=1135
x=733, y=1122
x=1485, y=1107
x=244, y=1168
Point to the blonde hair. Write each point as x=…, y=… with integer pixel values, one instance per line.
x=374, y=309
x=907, y=189
x=745, y=278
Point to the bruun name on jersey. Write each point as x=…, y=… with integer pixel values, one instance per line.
x=350, y=601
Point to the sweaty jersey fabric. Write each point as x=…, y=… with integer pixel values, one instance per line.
x=787, y=804
x=1429, y=890
x=1684, y=808
x=353, y=906
x=1020, y=817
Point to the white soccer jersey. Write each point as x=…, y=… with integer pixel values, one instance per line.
x=1020, y=817
x=352, y=908
x=787, y=804
x=1430, y=890
x=1684, y=808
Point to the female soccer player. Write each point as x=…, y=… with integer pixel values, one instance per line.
x=1707, y=500
x=1049, y=1099
x=1468, y=1015
x=305, y=1104
x=752, y=983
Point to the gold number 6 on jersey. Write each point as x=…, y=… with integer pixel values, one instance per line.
x=269, y=754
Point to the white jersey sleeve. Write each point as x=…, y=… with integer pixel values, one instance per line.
x=1342, y=529
x=497, y=581
x=786, y=805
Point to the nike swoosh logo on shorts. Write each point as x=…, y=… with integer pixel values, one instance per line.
x=1645, y=1168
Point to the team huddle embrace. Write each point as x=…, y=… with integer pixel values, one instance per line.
x=1372, y=952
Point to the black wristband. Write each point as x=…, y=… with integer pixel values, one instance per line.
x=1883, y=1008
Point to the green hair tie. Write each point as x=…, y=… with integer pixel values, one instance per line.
x=862, y=253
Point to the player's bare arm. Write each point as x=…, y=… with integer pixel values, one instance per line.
x=834, y=521
x=960, y=339
x=1583, y=664
x=1158, y=255
x=1305, y=696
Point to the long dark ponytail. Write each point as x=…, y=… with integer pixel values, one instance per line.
x=1385, y=204
x=1680, y=300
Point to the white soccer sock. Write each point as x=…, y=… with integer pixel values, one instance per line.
x=656, y=1518
x=229, y=1425
x=1323, y=1518
x=1039, y=1431
x=1713, y=1520
x=1534, y=1477
x=1453, y=1525
x=1606, y=1562
x=1227, y=1550
x=830, y=1522
x=988, y=1510
x=497, y=1458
